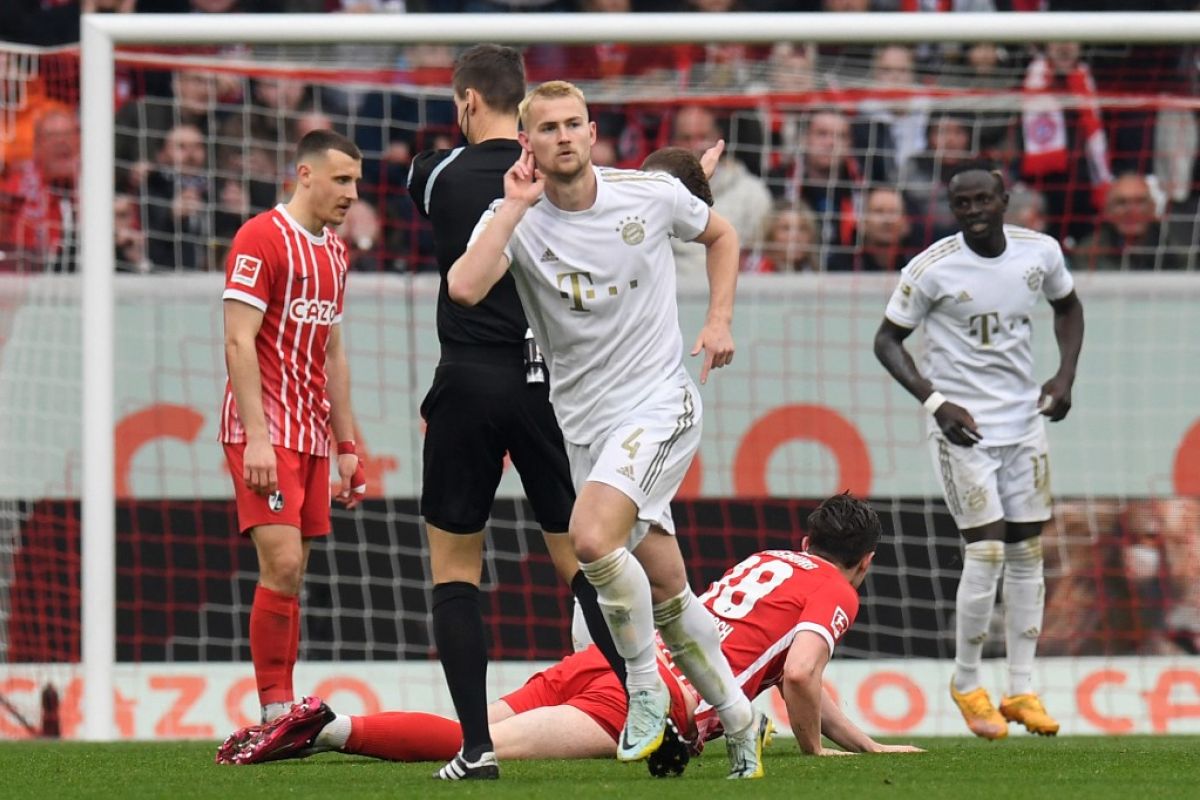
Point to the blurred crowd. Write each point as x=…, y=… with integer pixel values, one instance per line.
x=835, y=155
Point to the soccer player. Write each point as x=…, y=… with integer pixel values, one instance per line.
x=285, y=282
x=592, y=261
x=488, y=397
x=782, y=612
x=975, y=292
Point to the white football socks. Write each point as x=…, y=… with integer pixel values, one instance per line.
x=982, y=564
x=273, y=711
x=690, y=633
x=623, y=592
x=335, y=734
x=1024, y=601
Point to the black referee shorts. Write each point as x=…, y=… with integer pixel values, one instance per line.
x=479, y=408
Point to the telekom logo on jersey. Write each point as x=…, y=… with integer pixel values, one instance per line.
x=316, y=312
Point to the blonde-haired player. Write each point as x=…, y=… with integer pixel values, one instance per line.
x=975, y=293
x=590, y=252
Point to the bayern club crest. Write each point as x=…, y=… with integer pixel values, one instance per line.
x=1033, y=278
x=632, y=230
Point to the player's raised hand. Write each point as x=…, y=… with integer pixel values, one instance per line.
x=523, y=182
x=258, y=467
x=716, y=340
x=1055, y=400
x=957, y=424
x=710, y=158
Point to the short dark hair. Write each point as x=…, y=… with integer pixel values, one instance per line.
x=977, y=165
x=317, y=142
x=683, y=164
x=843, y=529
x=495, y=71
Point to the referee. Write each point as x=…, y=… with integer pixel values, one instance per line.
x=489, y=397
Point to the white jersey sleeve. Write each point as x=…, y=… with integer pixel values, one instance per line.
x=484, y=221
x=1058, y=282
x=689, y=215
x=915, y=294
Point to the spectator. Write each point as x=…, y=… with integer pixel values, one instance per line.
x=178, y=209
x=995, y=127
x=790, y=70
x=1130, y=236
x=824, y=175
x=129, y=238
x=884, y=232
x=28, y=81
x=738, y=195
x=791, y=244
x=921, y=179
x=142, y=125
x=39, y=199
x=1026, y=207
x=1066, y=150
x=891, y=129
x=278, y=104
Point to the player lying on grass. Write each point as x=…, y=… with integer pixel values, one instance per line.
x=780, y=613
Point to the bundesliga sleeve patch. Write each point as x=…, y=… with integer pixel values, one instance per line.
x=245, y=270
x=840, y=623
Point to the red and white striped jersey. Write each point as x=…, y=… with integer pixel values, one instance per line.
x=298, y=281
x=761, y=605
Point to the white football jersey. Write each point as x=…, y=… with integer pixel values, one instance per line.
x=978, y=327
x=598, y=288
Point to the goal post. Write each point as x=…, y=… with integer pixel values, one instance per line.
x=101, y=34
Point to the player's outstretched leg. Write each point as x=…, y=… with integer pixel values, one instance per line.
x=746, y=748
x=485, y=768
x=645, y=723
x=1027, y=710
x=290, y=736
x=978, y=712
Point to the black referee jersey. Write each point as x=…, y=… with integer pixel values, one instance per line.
x=452, y=189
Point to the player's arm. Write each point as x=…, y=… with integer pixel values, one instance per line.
x=1055, y=400
x=341, y=417
x=484, y=263
x=955, y=421
x=802, y=692
x=716, y=337
x=812, y=710
x=838, y=728
x=242, y=322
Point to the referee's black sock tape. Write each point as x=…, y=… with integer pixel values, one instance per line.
x=585, y=593
x=462, y=648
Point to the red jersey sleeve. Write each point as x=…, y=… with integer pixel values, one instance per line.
x=252, y=264
x=343, y=256
x=831, y=611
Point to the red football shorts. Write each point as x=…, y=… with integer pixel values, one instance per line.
x=584, y=680
x=302, y=500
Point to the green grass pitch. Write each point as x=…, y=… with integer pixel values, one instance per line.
x=1129, y=768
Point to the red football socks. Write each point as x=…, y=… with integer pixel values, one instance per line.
x=273, y=641
x=404, y=736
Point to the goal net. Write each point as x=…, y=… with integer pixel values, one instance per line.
x=833, y=177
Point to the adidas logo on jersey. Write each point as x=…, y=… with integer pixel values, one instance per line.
x=549, y=256
x=627, y=471
x=963, y=297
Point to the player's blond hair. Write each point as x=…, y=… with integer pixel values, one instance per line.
x=550, y=90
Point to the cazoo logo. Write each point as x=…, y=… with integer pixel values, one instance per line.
x=317, y=312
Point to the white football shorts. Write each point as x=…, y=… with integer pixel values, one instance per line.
x=984, y=484
x=646, y=456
